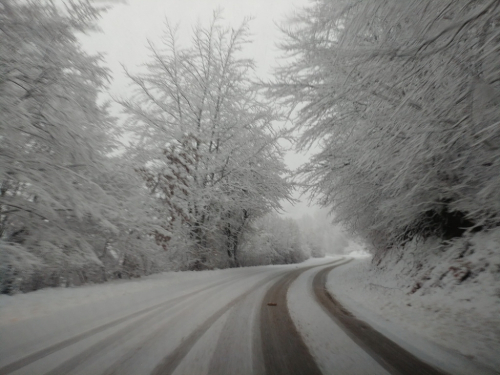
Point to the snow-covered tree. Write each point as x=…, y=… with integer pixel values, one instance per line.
x=58, y=190
x=320, y=235
x=274, y=240
x=206, y=142
x=402, y=99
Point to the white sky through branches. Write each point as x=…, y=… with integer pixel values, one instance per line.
x=129, y=24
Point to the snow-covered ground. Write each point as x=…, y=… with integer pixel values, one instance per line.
x=437, y=324
x=138, y=291
x=332, y=348
x=446, y=309
x=179, y=305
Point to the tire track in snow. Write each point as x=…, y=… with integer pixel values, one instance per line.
x=239, y=339
x=172, y=360
x=39, y=354
x=125, y=332
x=170, y=363
x=386, y=352
x=127, y=358
x=283, y=349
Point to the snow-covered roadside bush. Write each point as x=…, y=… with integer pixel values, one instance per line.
x=274, y=240
x=456, y=284
x=321, y=236
x=471, y=262
x=448, y=293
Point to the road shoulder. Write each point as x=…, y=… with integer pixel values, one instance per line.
x=351, y=291
x=333, y=350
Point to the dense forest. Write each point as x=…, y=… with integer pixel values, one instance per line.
x=403, y=101
x=191, y=178
x=400, y=100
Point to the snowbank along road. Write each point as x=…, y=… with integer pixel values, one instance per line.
x=259, y=320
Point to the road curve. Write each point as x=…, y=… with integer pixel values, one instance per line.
x=236, y=322
x=284, y=351
x=172, y=360
x=163, y=337
x=386, y=352
x=143, y=315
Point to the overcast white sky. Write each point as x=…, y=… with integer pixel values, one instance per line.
x=128, y=24
x=126, y=27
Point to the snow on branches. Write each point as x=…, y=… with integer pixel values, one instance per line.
x=403, y=100
x=61, y=196
x=206, y=142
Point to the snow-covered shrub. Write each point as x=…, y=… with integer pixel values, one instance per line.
x=273, y=240
x=16, y=264
x=471, y=261
x=320, y=235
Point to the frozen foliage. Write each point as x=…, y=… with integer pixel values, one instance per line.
x=320, y=236
x=204, y=162
x=63, y=202
x=402, y=99
x=274, y=240
x=205, y=144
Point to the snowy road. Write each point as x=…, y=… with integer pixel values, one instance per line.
x=274, y=320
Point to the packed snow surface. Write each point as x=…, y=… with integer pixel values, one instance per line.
x=448, y=323
x=30, y=323
x=142, y=290
x=332, y=348
x=432, y=326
